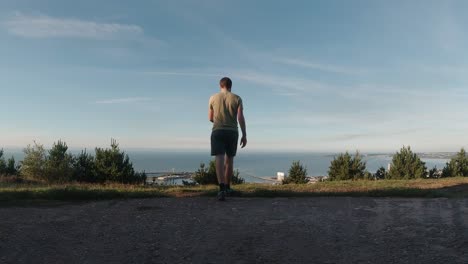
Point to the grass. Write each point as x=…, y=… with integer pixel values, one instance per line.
x=449, y=187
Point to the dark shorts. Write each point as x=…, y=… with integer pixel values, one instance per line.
x=224, y=142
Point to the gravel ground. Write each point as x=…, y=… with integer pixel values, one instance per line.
x=241, y=230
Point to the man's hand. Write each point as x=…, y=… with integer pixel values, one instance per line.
x=243, y=141
x=241, y=118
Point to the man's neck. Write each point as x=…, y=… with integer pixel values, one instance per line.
x=225, y=90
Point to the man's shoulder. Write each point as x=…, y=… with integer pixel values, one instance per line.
x=214, y=96
x=236, y=96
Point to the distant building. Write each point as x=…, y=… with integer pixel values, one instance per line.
x=280, y=176
x=389, y=166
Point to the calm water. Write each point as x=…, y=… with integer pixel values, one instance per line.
x=250, y=165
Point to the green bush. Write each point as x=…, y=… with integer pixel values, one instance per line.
x=113, y=165
x=457, y=166
x=9, y=167
x=348, y=167
x=59, y=163
x=407, y=165
x=380, y=174
x=297, y=174
x=236, y=178
x=3, y=164
x=206, y=175
x=84, y=169
x=33, y=164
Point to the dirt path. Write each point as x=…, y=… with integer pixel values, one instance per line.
x=256, y=230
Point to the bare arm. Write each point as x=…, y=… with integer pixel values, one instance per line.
x=210, y=115
x=210, y=111
x=241, y=118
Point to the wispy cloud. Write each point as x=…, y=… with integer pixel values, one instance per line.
x=450, y=70
x=283, y=85
x=181, y=73
x=320, y=66
x=42, y=26
x=124, y=100
x=374, y=134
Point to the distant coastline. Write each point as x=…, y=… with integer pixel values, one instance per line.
x=254, y=166
x=422, y=155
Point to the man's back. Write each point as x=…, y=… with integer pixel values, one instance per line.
x=225, y=106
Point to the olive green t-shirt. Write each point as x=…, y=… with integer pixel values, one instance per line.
x=225, y=105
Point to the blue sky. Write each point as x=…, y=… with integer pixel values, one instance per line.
x=314, y=75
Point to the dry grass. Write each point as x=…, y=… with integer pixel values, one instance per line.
x=448, y=187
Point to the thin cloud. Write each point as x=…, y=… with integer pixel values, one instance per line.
x=42, y=26
x=450, y=70
x=376, y=134
x=196, y=74
x=320, y=66
x=124, y=100
x=283, y=85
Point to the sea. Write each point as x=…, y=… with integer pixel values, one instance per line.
x=253, y=166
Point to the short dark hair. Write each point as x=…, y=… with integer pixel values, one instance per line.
x=225, y=82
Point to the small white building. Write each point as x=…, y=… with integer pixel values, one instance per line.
x=280, y=176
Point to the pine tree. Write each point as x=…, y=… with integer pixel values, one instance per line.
x=297, y=174
x=33, y=164
x=457, y=166
x=347, y=167
x=3, y=164
x=206, y=175
x=59, y=163
x=407, y=165
x=113, y=165
x=84, y=168
x=12, y=169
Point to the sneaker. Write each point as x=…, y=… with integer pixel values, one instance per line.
x=221, y=195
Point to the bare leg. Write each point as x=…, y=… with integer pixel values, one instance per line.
x=228, y=167
x=220, y=169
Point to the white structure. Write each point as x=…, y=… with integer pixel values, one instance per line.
x=389, y=166
x=280, y=176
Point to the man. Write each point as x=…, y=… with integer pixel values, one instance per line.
x=225, y=110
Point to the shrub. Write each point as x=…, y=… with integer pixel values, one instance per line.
x=457, y=166
x=84, y=169
x=347, y=167
x=297, y=174
x=407, y=165
x=206, y=175
x=113, y=165
x=33, y=165
x=9, y=167
x=59, y=163
x=380, y=174
x=236, y=178
x=3, y=165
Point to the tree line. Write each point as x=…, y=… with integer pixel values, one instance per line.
x=58, y=165
x=405, y=165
